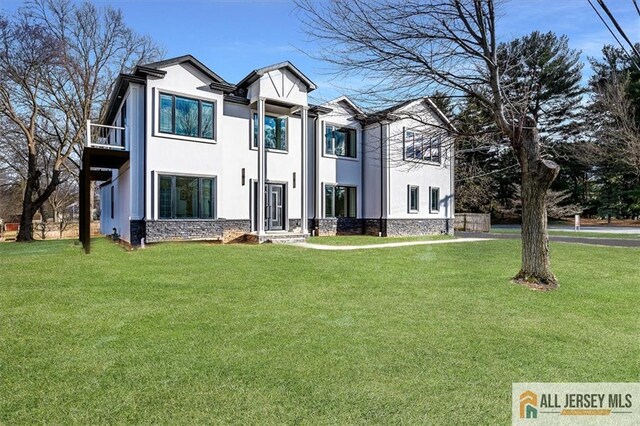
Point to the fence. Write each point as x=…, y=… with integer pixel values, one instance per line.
x=47, y=230
x=472, y=222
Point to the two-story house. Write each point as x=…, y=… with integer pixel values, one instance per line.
x=183, y=155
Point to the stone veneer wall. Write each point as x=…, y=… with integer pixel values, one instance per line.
x=407, y=227
x=388, y=227
x=336, y=226
x=181, y=230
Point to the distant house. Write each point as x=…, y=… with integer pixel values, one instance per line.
x=183, y=154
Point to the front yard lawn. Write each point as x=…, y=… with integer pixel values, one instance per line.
x=203, y=333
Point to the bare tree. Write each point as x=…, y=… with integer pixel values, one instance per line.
x=58, y=60
x=409, y=48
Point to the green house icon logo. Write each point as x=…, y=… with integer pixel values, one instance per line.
x=528, y=405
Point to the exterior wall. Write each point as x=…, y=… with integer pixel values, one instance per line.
x=106, y=223
x=224, y=158
x=379, y=171
x=374, y=170
x=404, y=172
x=335, y=170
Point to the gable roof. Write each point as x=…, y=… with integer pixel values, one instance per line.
x=190, y=59
x=344, y=99
x=257, y=73
x=388, y=113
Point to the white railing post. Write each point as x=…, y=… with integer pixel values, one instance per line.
x=87, y=142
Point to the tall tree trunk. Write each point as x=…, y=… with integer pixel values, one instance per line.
x=25, y=233
x=536, y=178
x=32, y=187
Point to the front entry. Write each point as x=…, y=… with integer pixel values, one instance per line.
x=274, y=203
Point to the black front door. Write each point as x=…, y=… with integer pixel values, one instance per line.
x=274, y=207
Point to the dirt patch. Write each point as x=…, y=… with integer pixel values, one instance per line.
x=535, y=285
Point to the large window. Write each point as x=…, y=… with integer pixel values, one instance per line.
x=435, y=200
x=414, y=199
x=340, y=141
x=186, y=117
x=423, y=147
x=184, y=197
x=275, y=132
x=339, y=201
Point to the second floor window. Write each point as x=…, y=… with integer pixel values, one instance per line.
x=339, y=201
x=275, y=132
x=340, y=141
x=186, y=117
x=420, y=146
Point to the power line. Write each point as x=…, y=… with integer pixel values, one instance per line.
x=615, y=22
x=614, y=35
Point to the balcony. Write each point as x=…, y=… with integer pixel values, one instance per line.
x=105, y=147
x=106, y=137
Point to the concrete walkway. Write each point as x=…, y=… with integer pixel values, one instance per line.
x=388, y=245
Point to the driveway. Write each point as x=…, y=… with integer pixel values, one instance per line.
x=594, y=241
x=598, y=229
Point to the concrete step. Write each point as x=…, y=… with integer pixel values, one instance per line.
x=278, y=238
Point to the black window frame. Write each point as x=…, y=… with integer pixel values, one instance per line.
x=200, y=216
x=427, y=145
x=173, y=116
x=255, y=130
x=410, y=190
x=349, y=132
x=112, y=201
x=432, y=199
x=347, y=199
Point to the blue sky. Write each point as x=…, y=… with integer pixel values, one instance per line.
x=235, y=37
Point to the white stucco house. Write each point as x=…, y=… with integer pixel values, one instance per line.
x=183, y=154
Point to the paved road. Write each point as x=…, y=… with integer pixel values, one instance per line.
x=599, y=229
x=595, y=241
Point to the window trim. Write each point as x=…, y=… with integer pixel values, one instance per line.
x=409, y=189
x=324, y=200
x=339, y=127
x=156, y=114
x=431, y=209
x=253, y=144
x=439, y=136
x=173, y=176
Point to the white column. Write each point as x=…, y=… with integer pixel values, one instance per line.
x=261, y=166
x=318, y=155
x=304, y=120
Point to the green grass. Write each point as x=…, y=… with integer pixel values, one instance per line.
x=199, y=333
x=582, y=234
x=360, y=240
